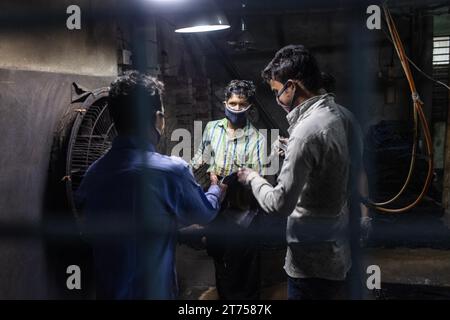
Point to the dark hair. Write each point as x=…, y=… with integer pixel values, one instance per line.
x=297, y=63
x=244, y=88
x=133, y=101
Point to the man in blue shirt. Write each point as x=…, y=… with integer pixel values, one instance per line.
x=133, y=199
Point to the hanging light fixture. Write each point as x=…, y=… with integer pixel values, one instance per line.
x=210, y=19
x=243, y=40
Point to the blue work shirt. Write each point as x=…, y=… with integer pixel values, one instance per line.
x=133, y=200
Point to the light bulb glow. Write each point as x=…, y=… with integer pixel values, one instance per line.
x=203, y=28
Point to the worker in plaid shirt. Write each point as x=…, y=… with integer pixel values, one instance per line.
x=231, y=239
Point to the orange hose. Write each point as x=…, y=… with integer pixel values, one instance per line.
x=417, y=113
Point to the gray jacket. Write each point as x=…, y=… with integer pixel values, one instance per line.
x=312, y=190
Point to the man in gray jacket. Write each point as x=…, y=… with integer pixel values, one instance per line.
x=313, y=185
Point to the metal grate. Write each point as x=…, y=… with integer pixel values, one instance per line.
x=92, y=136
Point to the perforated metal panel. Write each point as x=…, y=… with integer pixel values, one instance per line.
x=92, y=134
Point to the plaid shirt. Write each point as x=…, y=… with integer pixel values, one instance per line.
x=225, y=153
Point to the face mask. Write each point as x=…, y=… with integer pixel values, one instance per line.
x=236, y=117
x=281, y=104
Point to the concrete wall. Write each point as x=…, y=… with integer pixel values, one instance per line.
x=40, y=59
x=35, y=37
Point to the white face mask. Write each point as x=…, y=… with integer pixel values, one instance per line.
x=281, y=104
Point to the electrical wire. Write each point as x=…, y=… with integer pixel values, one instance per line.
x=417, y=68
x=427, y=76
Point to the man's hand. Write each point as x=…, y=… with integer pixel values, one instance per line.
x=282, y=146
x=244, y=173
x=213, y=178
x=223, y=187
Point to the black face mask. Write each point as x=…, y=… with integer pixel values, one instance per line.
x=236, y=117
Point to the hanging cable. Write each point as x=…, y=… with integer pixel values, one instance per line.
x=418, y=115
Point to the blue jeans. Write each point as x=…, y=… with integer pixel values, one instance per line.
x=315, y=289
